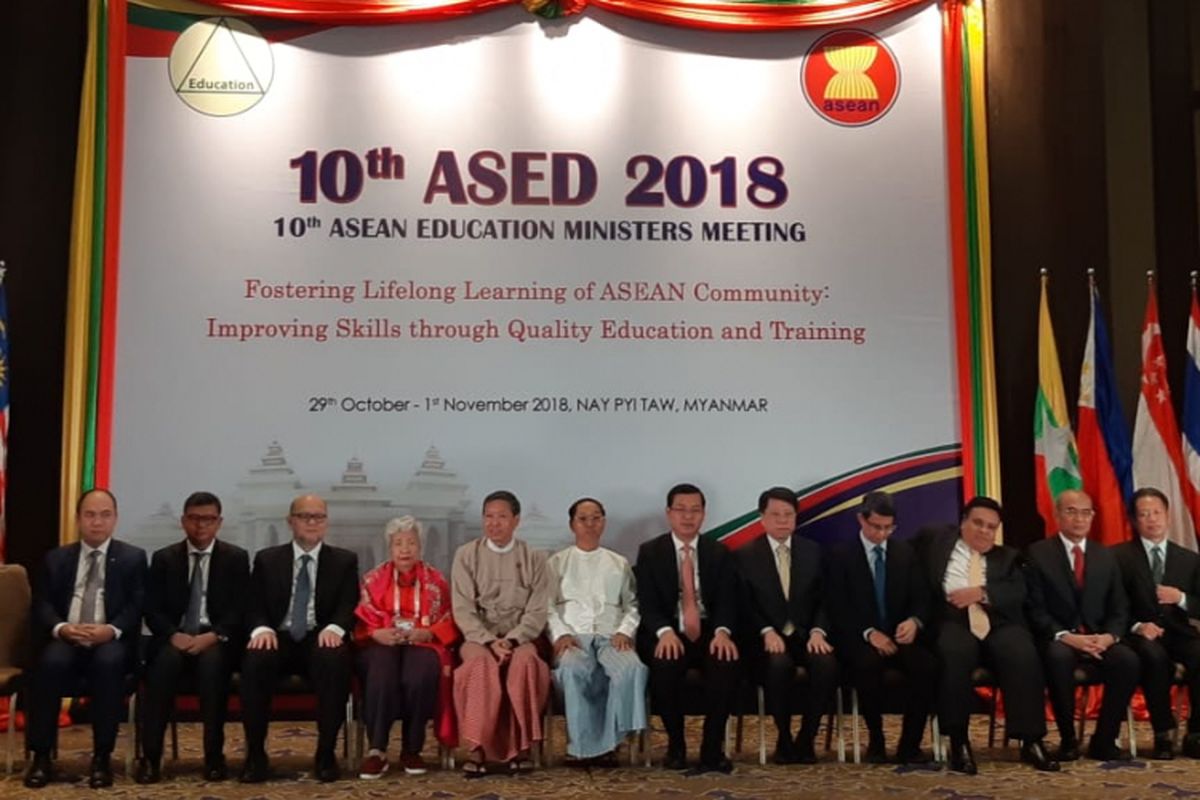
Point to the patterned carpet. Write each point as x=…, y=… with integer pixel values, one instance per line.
x=291, y=747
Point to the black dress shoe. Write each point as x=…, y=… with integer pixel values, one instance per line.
x=785, y=752
x=1100, y=750
x=676, y=757
x=148, y=771
x=1068, y=750
x=962, y=759
x=100, y=776
x=40, y=772
x=1191, y=745
x=255, y=770
x=913, y=756
x=805, y=752
x=326, y=768
x=1164, y=750
x=215, y=769
x=1034, y=753
x=876, y=751
x=720, y=764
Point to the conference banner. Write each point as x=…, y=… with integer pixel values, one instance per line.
x=403, y=265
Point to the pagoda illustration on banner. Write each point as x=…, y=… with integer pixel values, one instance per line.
x=256, y=511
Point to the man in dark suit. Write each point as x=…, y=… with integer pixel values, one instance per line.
x=300, y=615
x=1162, y=581
x=89, y=604
x=879, y=602
x=688, y=596
x=195, y=607
x=1078, y=608
x=979, y=615
x=783, y=582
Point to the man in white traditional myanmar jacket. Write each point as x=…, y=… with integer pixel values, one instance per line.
x=593, y=619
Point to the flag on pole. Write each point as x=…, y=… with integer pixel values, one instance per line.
x=1105, y=459
x=1191, y=402
x=3, y=409
x=1157, y=444
x=1055, y=459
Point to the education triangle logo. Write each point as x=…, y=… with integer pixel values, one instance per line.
x=221, y=66
x=850, y=77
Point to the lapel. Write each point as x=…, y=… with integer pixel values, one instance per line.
x=941, y=557
x=893, y=582
x=767, y=570
x=1066, y=574
x=1141, y=564
x=283, y=576
x=1094, y=588
x=65, y=589
x=670, y=571
x=112, y=580
x=1173, y=567
x=324, y=578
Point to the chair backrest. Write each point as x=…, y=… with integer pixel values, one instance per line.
x=15, y=599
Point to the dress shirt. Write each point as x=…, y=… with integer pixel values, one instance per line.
x=957, y=567
x=593, y=592
x=205, y=571
x=675, y=540
x=76, y=607
x=775, y=545
x=1162, y=548
x=1070, y=548
x=297, y=553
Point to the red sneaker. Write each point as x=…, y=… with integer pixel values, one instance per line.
x=413, y=764
x=373, y=767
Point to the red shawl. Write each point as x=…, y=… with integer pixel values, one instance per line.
x=377, y=609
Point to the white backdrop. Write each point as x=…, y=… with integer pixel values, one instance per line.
x=201, y=248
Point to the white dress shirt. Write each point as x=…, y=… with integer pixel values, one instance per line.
x=593, y=592
x=76, y=606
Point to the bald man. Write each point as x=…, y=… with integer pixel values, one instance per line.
x=300, y=613
x=1079, y=610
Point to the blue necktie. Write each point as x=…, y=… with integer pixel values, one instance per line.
x=300, y=600
x=880, y=583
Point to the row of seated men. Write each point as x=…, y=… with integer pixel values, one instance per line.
x=471, y=653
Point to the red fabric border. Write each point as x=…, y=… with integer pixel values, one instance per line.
x=701, y=14
x=952, y=84
x=114, y=169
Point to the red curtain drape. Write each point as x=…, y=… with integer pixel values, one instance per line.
x=691, y=13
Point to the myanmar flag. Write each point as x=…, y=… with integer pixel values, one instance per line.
x=1055, y=459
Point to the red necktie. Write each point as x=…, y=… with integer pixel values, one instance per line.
x=691, y=610
x=1077, y=558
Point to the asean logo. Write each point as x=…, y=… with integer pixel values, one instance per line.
x=850, y=77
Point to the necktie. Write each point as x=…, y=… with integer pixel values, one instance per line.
x=1156, y=563
x=91, y=589
x=191, y=621
x=1077, y=559
x=880, y=583
x=783, y=563
x=977, y=616
x=691, y=610
x=300, y=600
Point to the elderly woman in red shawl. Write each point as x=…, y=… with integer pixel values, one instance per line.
x=405, y=630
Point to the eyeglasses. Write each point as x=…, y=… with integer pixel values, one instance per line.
x=1084, y=513
x=310, y=517
x=589, y=520
x=202, y=519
